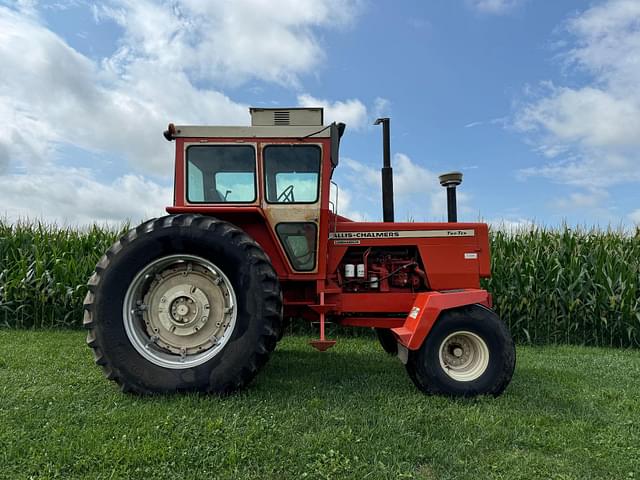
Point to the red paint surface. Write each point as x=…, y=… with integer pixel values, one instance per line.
x=430, y=304
x=443, y=259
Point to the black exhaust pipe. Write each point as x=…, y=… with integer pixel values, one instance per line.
x=450, y=181
x=387, y=171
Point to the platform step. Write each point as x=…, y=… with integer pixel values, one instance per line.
x=322, y=345
x=323, y=308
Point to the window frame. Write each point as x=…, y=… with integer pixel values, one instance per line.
x=293, y=145
x=285, y=246
x=256, y=172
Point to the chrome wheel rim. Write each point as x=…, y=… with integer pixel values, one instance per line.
x=179, y=311
x=464, y=356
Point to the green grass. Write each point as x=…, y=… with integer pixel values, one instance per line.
x=571, y=412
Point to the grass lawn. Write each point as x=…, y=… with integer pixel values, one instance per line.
x=349, y=413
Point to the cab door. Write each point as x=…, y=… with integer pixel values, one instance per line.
x=292, y=198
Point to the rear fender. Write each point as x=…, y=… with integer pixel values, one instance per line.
x=427, y=308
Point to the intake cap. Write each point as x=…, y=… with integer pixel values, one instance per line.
x=451, y=179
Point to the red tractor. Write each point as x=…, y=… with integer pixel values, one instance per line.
x=197, y=300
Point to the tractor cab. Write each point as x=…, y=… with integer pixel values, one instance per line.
x=271, y=179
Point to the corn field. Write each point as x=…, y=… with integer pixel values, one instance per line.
x=44, y=270
x=551, y=286
x=568, y=286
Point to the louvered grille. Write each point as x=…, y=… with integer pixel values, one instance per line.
x=286, y=117
x=281, y=117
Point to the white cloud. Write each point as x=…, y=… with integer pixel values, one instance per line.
x=74, y=196
x=4, y=158
x=495, y=7
x=27, y=7
x=381, y=107
x=346, y=207
x=352, y=112
x=418, y=195
x=635, y=216
x=511, y=225
x=56, y=96
x=591, y=133
x=591, y=199
x=230, y=42
x=366, y=174
x=170, y=65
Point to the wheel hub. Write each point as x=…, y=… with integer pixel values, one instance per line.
x=458, y=351
x=188, y=309
x=464, y=356
x=179, y=309
x=185, y=308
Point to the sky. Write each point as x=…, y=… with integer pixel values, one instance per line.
x=536, y=102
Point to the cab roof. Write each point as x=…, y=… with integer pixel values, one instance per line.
x=295, y=132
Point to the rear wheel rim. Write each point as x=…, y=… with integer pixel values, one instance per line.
x=464, y=356
x=179, y=311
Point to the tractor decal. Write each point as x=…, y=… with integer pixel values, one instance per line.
x=403, y=234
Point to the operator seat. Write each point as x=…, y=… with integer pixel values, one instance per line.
x=214, y=196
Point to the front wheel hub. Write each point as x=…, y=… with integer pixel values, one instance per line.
x=464, y=356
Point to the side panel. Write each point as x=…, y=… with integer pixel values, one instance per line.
x=448, y=266
x=375, y=302
x=454, y=255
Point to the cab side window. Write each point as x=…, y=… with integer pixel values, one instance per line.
x=299, y=241
x=292, y=173
x=221, y=173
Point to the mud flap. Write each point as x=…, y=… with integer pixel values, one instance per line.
x=403, y=354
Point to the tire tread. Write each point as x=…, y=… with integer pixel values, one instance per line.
x=266, y=343
x=431, y=386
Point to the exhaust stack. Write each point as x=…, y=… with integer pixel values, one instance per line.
x=450, y=181
x=387, y=171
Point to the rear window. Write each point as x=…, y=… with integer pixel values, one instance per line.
x=221, y=173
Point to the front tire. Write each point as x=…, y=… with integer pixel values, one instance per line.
x=183, y=302
x=387, y=340
x=468, y=352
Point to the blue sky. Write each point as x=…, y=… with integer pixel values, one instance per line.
x=536, y=102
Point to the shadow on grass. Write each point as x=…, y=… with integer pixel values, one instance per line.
x=306, y=368
x=298, y=373
x=370, y=375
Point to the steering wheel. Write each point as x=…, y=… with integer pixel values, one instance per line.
x=287, y=195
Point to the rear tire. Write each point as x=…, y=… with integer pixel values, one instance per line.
x=468, y=352
x=206, y=270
